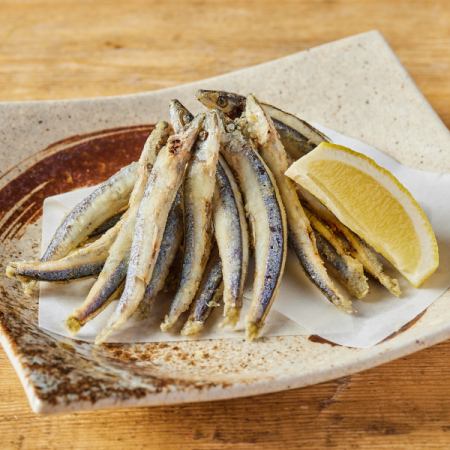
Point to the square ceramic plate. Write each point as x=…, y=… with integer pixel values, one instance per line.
x=355, y=86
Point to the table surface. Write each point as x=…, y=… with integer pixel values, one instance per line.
x=73, y=48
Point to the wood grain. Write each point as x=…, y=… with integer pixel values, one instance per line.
x=404, y=404
x=68, y=48
x=72, y=48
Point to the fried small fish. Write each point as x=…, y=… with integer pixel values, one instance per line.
x=82, y=262
x=199, y=188
x=301, y=236
x=335, y=251
x=267, y=219
x=230, y=229
x=208, y=296
x=105, y=201
x=171, y=241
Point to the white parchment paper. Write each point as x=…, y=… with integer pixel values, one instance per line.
x=299, y=307
x=58, y=300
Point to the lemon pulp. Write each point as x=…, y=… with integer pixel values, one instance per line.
x=374, y=204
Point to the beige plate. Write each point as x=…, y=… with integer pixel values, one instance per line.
x=52, y=147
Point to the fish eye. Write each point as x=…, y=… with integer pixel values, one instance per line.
x=222, y=101
x=186, y=118
x=203, y=135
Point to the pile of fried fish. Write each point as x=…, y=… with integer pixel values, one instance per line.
x=200, y=185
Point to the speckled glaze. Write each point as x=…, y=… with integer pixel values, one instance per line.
x=52, y=147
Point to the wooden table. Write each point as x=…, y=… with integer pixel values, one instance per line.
x=73, y=48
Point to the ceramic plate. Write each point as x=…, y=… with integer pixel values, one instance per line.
x=52, y=147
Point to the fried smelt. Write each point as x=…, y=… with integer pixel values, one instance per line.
x=83, y=262
x=105, y=201
x=171, y=241
x=230, y=229
x=301, y=236
x=199, y=188
x=208, y=296
x=341, y=269
x=370, y=260
x=267, y=218
x=335, y=251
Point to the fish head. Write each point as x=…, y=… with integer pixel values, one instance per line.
x=226, y=127
x=212, y=122
x=208, y=141
x=184, y=140
x=259, y=124
x=229, y=103
x=180, y=116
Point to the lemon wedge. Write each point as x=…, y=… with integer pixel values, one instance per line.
x=370, y=201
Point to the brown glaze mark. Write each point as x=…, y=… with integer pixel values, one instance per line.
x=407, y=326
x=320, y=340
x=81, y=162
